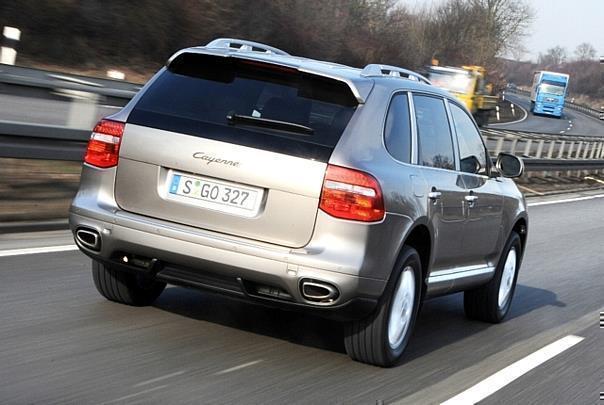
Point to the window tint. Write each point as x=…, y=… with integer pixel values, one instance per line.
x=434, y=135
x=197, y=93
x=397, y=133
x=472, y=153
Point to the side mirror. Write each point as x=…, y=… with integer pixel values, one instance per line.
x=471, y=164
x=509, y=165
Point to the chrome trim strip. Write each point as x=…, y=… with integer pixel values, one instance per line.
x=459, y=273
x=413, y=122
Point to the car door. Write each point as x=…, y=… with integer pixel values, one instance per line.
x=483, y=199
x=445, y=188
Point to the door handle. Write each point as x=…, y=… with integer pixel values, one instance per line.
x=471, y=199
x=434, y=195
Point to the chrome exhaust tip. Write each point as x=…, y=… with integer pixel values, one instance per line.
x=318, y=291
x=88, y=238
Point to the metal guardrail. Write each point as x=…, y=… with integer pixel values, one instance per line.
x=49, y=80
x=31, y=141
x=543, y=152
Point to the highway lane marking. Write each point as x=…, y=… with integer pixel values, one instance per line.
x=594, y=179
x=524, y=111
x=444, y=388
x=512, y=372
x=31, y=251
x=136, y=394
x=530, y=190
x=163, y=377
x=239, y=367
x=567, y=200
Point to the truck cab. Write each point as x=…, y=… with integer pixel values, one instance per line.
x=548, y=93
x=468, y=84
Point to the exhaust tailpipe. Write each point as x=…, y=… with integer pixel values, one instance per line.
x=318, y=291
x=89, y=238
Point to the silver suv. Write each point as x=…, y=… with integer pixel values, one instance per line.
x=307, y=185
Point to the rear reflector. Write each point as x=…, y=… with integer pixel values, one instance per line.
x=351, y=194
x=104, y=145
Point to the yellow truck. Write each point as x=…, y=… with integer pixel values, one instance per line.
x=468, y=84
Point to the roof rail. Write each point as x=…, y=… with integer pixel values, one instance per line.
x=244, y=46
x=373, y=69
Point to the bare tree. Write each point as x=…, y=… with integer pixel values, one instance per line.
x=553, y=57
x=505, y=23
x=585, y=51
x=477, y=31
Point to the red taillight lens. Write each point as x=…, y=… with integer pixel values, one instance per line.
x=104, y=145
x=351, y=194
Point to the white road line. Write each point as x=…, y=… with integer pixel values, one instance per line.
x=239, y=367
x=594, y=179
x=512, y=372
x=529, y=189
x=163, y=377
x=136, y=394
x=512, y=122
x=31, y=251
x=567, y=200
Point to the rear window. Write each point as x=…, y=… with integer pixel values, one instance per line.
x=197, y=92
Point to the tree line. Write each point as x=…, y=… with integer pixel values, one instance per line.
x=143, y=33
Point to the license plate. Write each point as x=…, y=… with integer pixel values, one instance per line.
x=215, y=195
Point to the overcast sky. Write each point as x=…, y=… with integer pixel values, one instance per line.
x=558, y=22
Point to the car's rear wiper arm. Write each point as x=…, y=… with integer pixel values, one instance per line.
x=268, y=123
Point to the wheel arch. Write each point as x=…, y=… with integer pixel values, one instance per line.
x=521, y=228
x=420, y=238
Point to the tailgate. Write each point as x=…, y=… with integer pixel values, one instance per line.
x=288, y=187
x=184, y=159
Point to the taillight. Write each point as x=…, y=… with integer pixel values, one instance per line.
x=351, y=194
x=104, y=145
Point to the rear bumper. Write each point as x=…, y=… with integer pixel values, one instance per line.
x=205, y=261
x=547, y=109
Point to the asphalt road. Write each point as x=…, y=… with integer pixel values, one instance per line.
x=61, y=342
x=571, y=123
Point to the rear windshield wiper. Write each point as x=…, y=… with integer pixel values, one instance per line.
x=268, y=123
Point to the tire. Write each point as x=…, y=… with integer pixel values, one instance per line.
x=490, y=302
x=125, y=288
x=373, y=340
x=532, y=109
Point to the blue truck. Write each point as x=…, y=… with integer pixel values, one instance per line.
x=548, y=93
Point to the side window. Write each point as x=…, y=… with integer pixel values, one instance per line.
x=397, y=134
x=472, y=153
x=433, y=132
